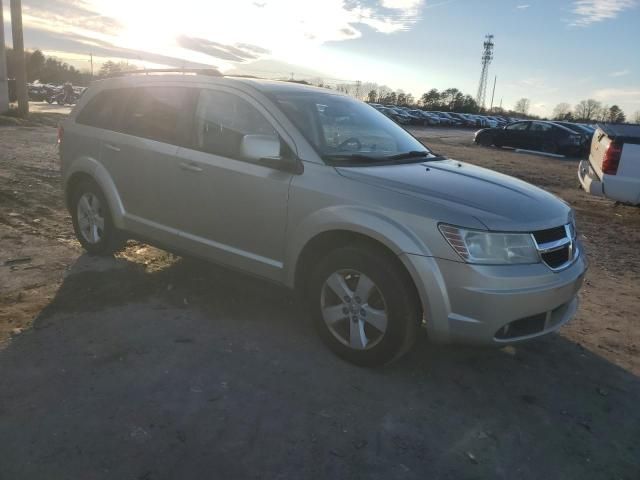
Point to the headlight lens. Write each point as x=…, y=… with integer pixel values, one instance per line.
x=488, y=248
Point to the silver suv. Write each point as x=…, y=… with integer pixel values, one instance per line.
x=319, y=192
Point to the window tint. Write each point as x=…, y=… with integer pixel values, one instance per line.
x=518, y=126
x=222, y=119
x=541, y=127
x=102, y=110
x=156, y=113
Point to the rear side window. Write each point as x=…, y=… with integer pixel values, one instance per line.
x=222, y=119
x=157, y=113
x=102, y=110
x=518, y=126
x=541, y=127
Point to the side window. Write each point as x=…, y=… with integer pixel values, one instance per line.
x=222, y=119
x=156, y=113
x=102, y=110
x=518, y=126
x=541, y=127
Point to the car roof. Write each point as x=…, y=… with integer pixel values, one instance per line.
x=263, y=85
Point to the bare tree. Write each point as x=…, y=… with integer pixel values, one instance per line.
x=636, y=117
x=562, y=111
x=587, y=109
x=522, y=106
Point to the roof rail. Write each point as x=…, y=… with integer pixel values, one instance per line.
x=211, y=72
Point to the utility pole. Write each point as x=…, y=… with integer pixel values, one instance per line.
x=18, y=50
x=91, y=62
x=495, y=79
x=4, y=85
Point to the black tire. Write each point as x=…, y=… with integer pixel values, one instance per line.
x=485, y=140
x=111, y=239
x=394, y=285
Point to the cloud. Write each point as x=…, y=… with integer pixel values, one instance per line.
x=523, y=7
x=588, y=12
x=223, y=34
x=620, y=73
x=240, y=52
x=627, y=94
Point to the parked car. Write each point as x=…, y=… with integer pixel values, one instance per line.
x=613, y=167
x=586, y=133
x=535, y=135
x=316, y=191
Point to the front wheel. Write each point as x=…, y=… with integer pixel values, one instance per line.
x=485, y=140
x=364, y=305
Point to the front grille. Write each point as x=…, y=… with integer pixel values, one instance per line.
x=556, y=246
x=557, y=258
x=549, y=235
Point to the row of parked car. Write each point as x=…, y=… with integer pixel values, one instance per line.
x=414, y=116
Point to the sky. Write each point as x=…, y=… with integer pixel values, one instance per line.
x=549, y=51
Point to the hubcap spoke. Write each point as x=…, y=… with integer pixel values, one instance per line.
x=357, y=337
x=364, y=287
x=95, y=236
x=333, y=314
x=85, y=205
x=375, y=317
x=337, y=283
x=100, y=223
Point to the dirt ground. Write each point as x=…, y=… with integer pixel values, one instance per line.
x=150, y=366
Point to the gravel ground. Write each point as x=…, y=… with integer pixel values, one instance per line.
x=151, y=366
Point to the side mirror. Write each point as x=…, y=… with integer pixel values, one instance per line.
x=267, y=150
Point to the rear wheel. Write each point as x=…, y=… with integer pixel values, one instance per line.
x=364, y=305
x=92, y=221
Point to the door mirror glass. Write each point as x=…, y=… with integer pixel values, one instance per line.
x=255, y=147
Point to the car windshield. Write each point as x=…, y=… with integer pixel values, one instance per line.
x=344, y=130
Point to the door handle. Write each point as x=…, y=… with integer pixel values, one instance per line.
x=192, y=167
x=113, y=148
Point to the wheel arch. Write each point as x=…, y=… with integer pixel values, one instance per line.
x=90, y=169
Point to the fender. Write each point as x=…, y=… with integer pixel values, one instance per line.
x=351, y=218
x=90, y=166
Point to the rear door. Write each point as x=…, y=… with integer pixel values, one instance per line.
x=141, y=158
x=540, y=137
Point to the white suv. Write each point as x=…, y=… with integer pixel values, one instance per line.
x=314, y=190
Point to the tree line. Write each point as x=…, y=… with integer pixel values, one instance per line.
x=591, y=110
x=51, y=70
x=46, y=69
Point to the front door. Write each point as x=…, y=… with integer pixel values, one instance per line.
x=235, y=209
x=515, y=135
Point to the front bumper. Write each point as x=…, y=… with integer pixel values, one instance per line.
x=494, y=305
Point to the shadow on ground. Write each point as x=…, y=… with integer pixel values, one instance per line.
x=192, y=371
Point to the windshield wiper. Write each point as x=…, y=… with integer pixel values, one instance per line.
x=411, y=154
x=352, y=157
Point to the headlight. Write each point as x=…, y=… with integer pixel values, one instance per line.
x=487, y=248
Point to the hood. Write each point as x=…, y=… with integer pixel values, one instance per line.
x=499, y=202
